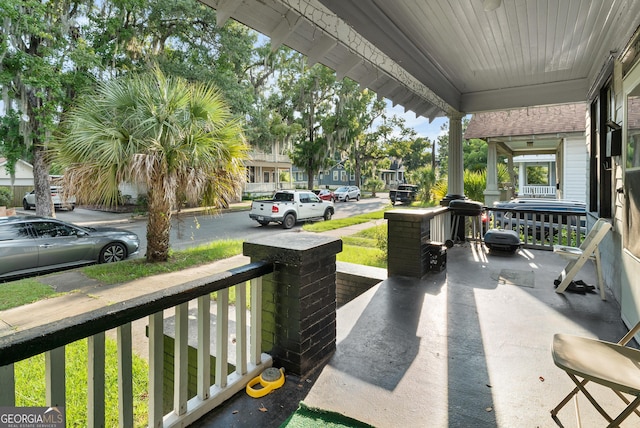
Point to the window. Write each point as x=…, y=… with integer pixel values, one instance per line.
x=53, y=230
x=9, y=232
x=336, y=176
x=343, y=175
x=632, y=172
x=600, y=182
x=633, y=130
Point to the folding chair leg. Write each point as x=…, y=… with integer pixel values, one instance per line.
x=626, y=401
x=599, y=272
x=622, y=416
x=566, y=399
x=590, y=398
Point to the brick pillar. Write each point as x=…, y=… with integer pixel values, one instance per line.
x=299, y=298
x=407, y=229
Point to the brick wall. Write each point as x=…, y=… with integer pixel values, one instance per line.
x=352, y=280
x=299, y=298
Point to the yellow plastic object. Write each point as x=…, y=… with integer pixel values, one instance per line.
x=269, y=379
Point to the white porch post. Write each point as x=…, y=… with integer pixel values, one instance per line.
x=455, y=180
x=522, y=176
x=491, y=193
x=512, y=178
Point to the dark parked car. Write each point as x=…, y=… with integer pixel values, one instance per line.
x=405, y=193
x=325, y=195
x=32, y=244
x=544, y=216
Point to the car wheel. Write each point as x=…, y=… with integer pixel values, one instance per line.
x=289, y=221
x=263, y=223
x=327, y=215
x=113, y=252
x=358, y=198
x=346, y=198
x=72, y=207
x=25, y=205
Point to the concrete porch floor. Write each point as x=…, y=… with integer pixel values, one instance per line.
x=467, y=347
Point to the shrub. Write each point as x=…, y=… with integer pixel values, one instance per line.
x=374, y=185
x=6, y=197
x=425, y=178
x=382, y=241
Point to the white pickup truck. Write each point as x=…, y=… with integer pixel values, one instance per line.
x=289, y=206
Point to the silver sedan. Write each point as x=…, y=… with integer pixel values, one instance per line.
x=32, y=244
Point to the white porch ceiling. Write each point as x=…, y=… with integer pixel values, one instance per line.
x=441, y=57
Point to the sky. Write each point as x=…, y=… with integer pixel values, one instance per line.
x=420, y=124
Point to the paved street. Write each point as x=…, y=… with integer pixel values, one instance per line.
x=195, y=227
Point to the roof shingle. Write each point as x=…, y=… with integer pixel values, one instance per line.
x=539, y=120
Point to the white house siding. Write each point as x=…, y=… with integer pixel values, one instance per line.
x=575, y=164
x=131, y=191
x=23, y=175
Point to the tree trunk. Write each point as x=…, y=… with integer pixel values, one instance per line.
x=159, y=225
x=42, y=183
x=310, y=179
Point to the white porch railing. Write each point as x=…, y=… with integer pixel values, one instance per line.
x=440, y=226
x=51, y=340
x=266, y=187
x=269, y=157
x=537, y=191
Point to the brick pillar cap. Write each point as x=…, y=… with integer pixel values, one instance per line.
x=292, y=248
x=413, y=214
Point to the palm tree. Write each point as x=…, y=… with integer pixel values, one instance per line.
x=178, y=139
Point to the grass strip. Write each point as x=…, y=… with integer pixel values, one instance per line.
x=178, y=260
x=323, y=226
x=18, y=293
x=31, y=389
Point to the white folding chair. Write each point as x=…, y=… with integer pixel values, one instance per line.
x=579, y=255
x=613, y=365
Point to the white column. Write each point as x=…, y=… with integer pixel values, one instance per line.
x=522, y=176
x=456, y=162
x=512, y=177
x=491, y=193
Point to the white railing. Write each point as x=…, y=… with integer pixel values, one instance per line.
x=440, y=226
x=541, y=229
x=269, y=157
x=51, y=339
x=538, y=191
x=266, y=187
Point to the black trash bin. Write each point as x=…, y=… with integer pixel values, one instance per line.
x=435, y=256
x=461, y=208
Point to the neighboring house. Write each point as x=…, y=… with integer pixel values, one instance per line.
x=549, y=136
x=331, y=178
x=394, y=175
x=23, y=182
x=526, y=186
x=23, y=174
x=263, y=172
x=337, y=176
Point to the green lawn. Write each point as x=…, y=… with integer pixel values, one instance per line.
x=361, y=248
x=31, y=388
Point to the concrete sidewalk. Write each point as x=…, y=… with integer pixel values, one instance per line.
x=85, y=294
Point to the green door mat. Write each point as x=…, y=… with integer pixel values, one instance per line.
x=308, y=417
